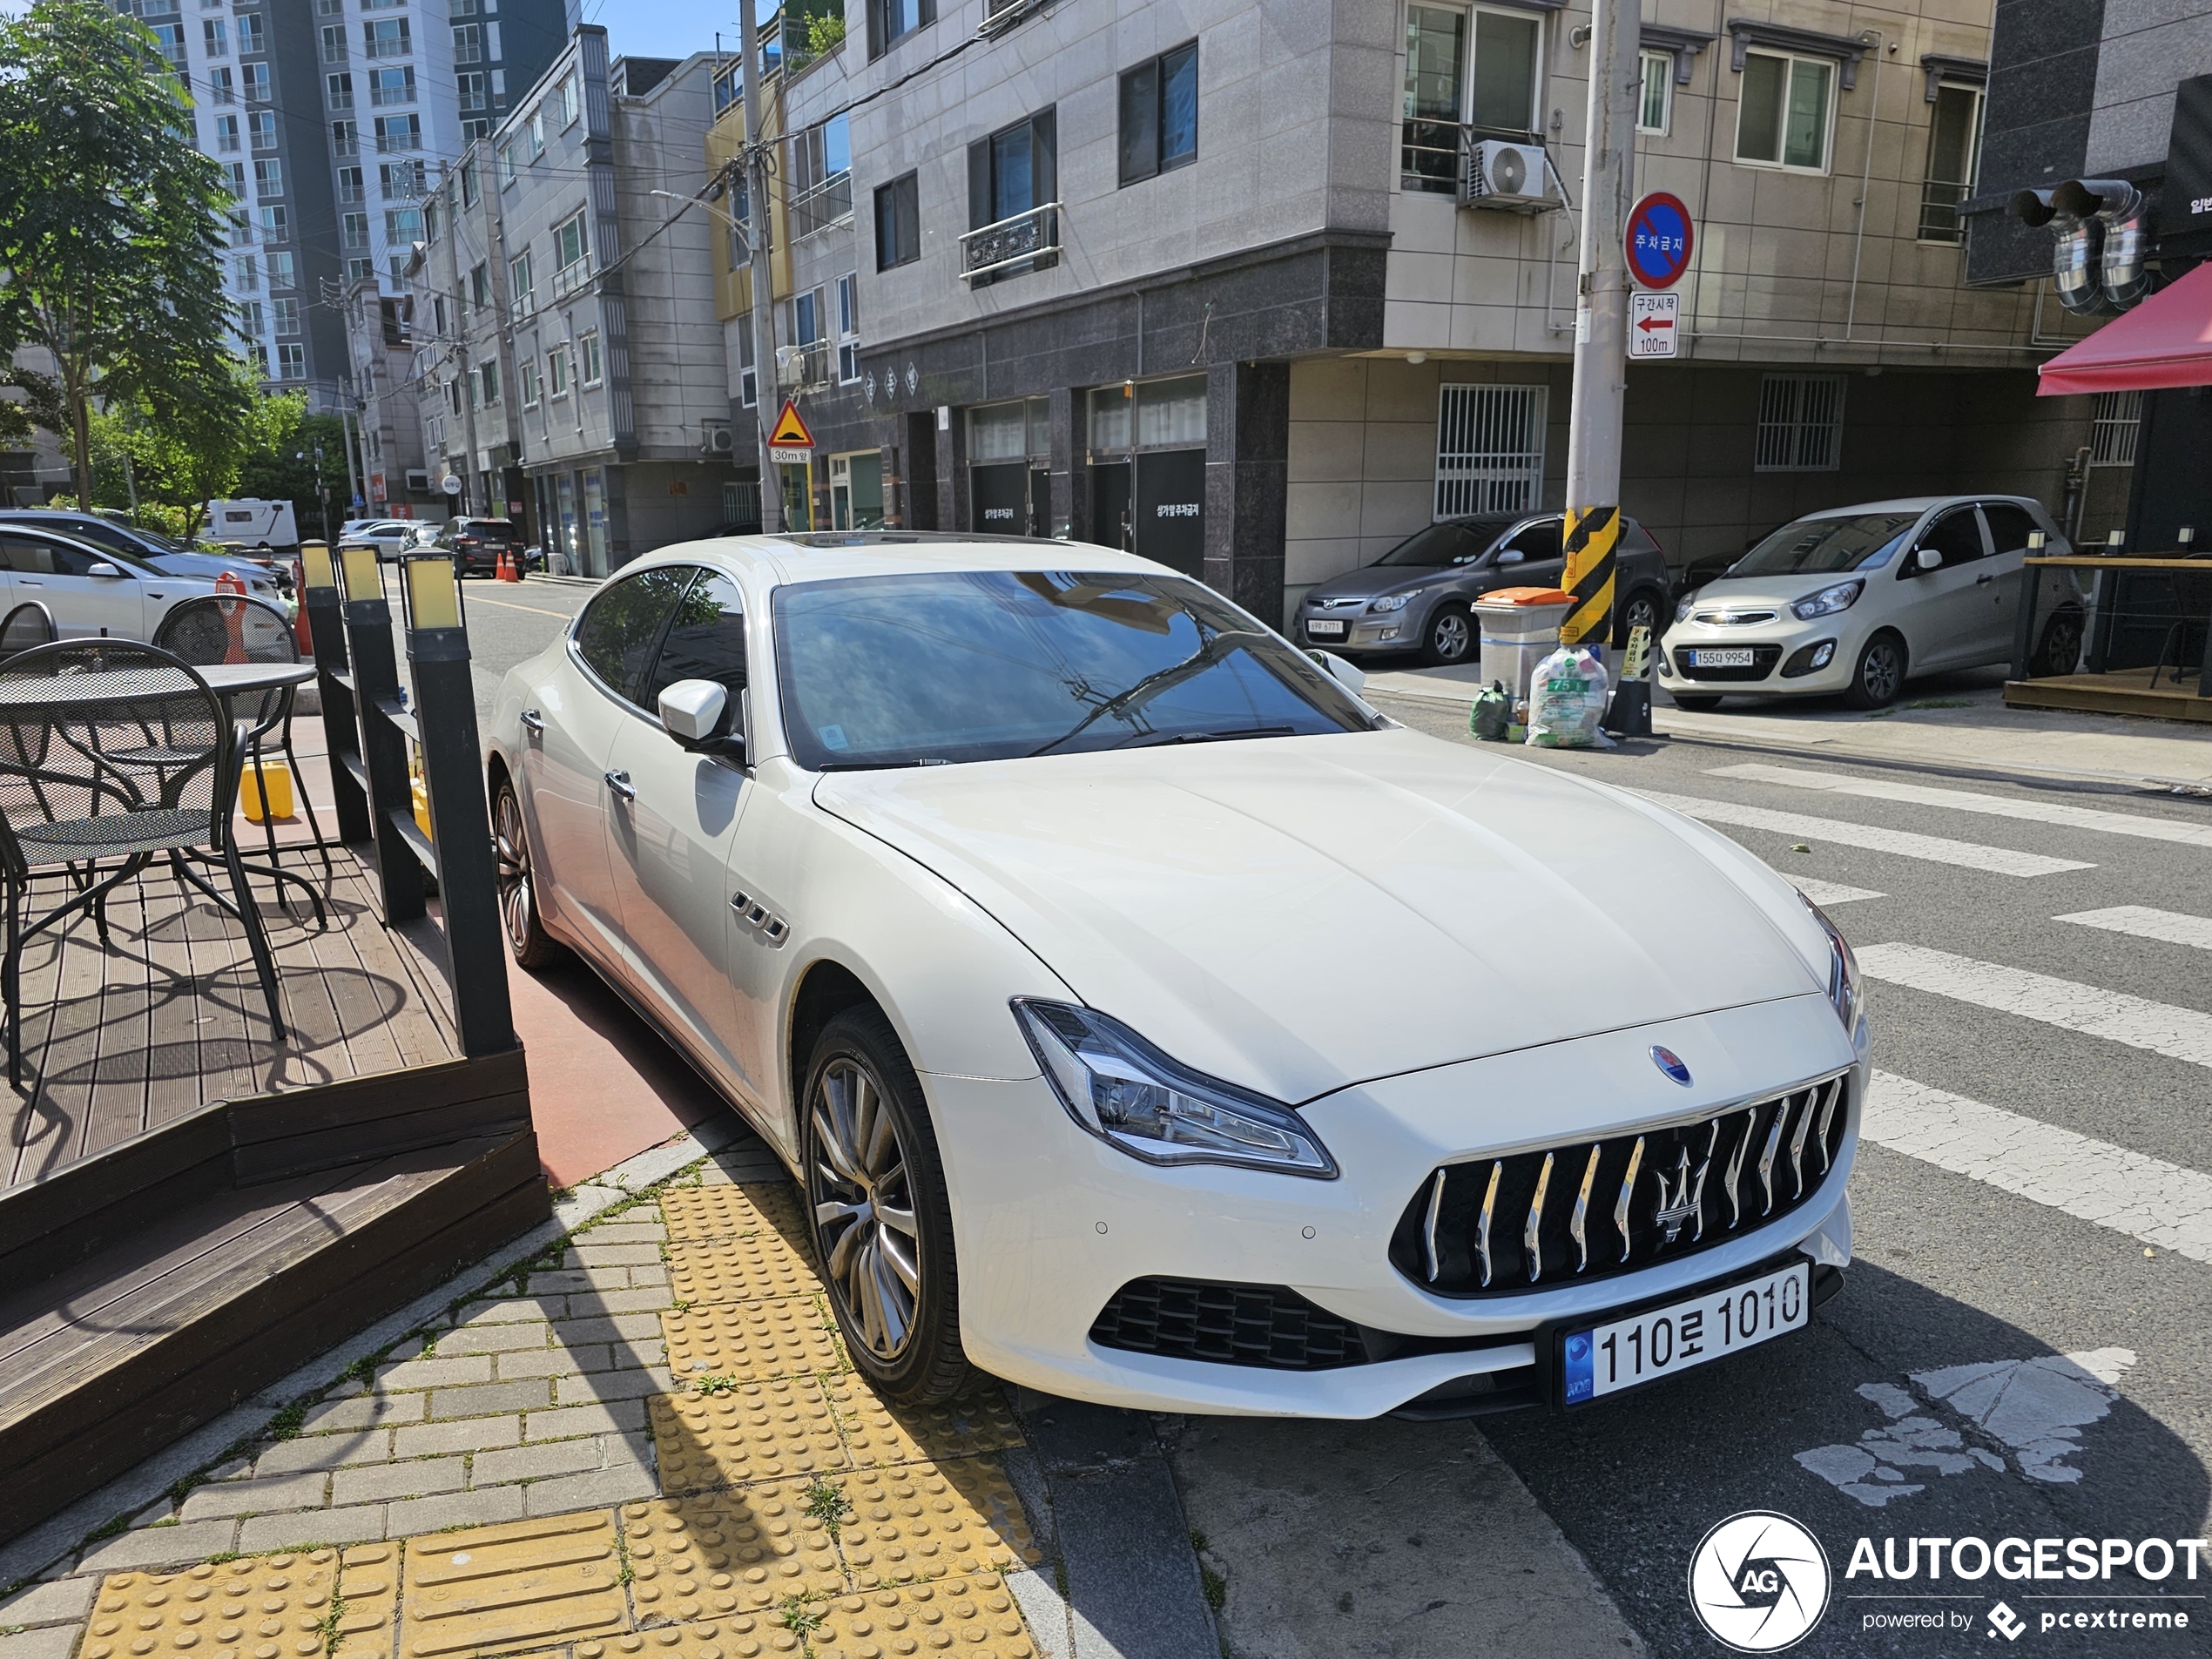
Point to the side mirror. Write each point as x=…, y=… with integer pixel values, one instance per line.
x=103, y=569
x=1339, y=670
x=693, y=711
x=1511, y=555
x=1928, y=559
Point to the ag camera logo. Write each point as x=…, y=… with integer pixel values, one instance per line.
x=1758, y=1582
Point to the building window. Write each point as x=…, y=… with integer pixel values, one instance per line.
x=807, y=317
x=849, y=329
x=403, y=181
x=217, y=37
x=571, y=247
x=252, y=36
x=353, y=230
x=255, y=77
x=506, y=166
x=748, y=382
x=171, y=38
x=526, y=381
x=341, y=89
x=390, y=86
x=521, y=286
x=1012, y=177
x=1654, y=100
x=487, y=384
x=386, y=38
x=402, y=226
x=480, y=284
x=221, y=87
x=292, y=360
x=1782, y=113
x=268, y=178
x=897, y=222
x=345, y=138
x=352, y=188
x=2112, y=433
x=236, y=173
x=251, y=319
x=557, y=372
x=334, y=44
x=892, y=21
x=246, y=273
x=274, y=224
x=475, y=90
x=571, y=99
x=1954, y=157
x=467, y=183
x=588, y=349
x=469, y=44
x=397, y=132
x=1801, y=423
x=1477, y=70
x=821, y=178
x=281, y=272
x=227, y=134
x=1489, y=449
x=287, y=313
x=258, y=354
x=537, y=132
x=432, y=218
x=1160, y=114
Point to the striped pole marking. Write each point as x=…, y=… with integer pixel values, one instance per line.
x=1593, y=540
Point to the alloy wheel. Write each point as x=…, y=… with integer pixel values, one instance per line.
x=1882, y=672
x=517, y=899
x=1642, y=611
x=1450, y=635
x=864, y=1208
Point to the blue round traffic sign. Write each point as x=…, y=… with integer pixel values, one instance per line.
x=1659, y=239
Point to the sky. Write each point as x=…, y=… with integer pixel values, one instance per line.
x=664, y=28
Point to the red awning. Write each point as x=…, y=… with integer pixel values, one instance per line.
x=2166, y=341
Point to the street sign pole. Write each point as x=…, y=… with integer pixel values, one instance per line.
x=1600, y=326
x=762, y=277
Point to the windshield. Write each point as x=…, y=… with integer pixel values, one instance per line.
x=905, y=670
x=1821, y=546
x=1454, y=541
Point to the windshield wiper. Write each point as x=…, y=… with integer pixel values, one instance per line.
x=1156, y=742
x=1161, y=679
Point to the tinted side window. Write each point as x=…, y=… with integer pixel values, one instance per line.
x=37, y=556
x=1956, y=535
x=1537, y=541
x=2008, y=525
x=619, y=629
x=705, y=639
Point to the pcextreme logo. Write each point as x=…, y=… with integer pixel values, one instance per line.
x=1758, y=1582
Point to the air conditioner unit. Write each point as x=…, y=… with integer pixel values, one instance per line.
x=790, y=365
x=418, y=481
x=714, y=438
x=1497, y=172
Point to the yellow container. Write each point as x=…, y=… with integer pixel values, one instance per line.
x=421, y=805
x=278, y=776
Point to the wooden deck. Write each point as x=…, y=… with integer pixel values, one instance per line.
x=2120, y=691
x=170, y=1019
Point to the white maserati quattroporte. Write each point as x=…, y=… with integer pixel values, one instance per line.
x=1149, y=1020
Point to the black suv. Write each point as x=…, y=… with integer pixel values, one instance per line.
x=1416, y=596
x=476, y=543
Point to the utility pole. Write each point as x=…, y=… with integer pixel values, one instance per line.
x=1602, y=325
x=767, y=385
x=356, y=486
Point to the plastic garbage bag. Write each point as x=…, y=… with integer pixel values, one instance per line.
x=1567, y=698
x=1492, y=713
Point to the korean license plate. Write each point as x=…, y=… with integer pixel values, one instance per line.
x=1733, y=657
x=1602, y=1359
x=1325, y=630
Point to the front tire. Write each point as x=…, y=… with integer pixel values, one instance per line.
x=2061, y=650
x=1449, y=639
x=1880, y=674
x=875, y=1197
x=517, y=874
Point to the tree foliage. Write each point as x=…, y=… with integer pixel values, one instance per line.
x=285, y=470
x=195, y=454
x=109, y=223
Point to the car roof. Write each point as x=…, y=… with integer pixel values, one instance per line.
x=1917, y=504
x=803, y=556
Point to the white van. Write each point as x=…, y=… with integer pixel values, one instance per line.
x=249, y=523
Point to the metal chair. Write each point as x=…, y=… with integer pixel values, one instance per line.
x=29, y=623
x=224, y=629
x=64, y=799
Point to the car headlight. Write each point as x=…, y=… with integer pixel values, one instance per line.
x=1828, y=601
x=1843, y=983
x=1395, y=602
x=1683, y=606
x=1119, y=1087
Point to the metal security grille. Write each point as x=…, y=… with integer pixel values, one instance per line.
x=2111, y=438
x=1801, y=423
x=1489, y=449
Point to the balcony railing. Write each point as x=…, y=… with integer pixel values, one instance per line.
x=819, y=206
x=803, y=367
x=1027, y=239
x=570, y=277
x=1940, y=205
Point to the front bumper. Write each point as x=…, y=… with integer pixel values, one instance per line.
x=1394, y=631
x=1051, y=1224
x=1779, y=648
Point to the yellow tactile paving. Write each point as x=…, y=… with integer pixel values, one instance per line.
x=739, y=1270
x=368, y=1589
x=744, y=1637
x=734, y=1212
x=977, y=1422
x=750, y=1341
x=271, y=1607
x=512, y=1589
x=726, y=1553
x=755, y=1430
x=974, y=1616
x=928, y=1521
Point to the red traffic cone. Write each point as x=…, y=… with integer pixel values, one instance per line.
x=505, y=570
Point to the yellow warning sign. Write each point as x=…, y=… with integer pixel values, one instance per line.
x=789, y=431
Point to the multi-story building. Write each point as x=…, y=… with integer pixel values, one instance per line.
x=1260, y=287
x=568, y=355
x=394, y=478
x=326, y=117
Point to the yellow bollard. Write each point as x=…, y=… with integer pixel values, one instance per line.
x=277, y=775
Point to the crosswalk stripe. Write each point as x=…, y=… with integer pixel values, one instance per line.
x=2163, y=1204
x=1828, y=892
x=2156, y=1027
x=2143, y=922
x=1995, y=860
x=1970, y=800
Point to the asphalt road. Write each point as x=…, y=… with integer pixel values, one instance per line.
x=1932, y=1399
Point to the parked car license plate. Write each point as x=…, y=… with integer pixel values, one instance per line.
x=1325, y=629
x=1735, y=656
x=1602, y=1359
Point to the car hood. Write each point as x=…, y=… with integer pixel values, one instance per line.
x=206, y=567
x=1299, y=914
x=1373, y=579
x=1755, y=592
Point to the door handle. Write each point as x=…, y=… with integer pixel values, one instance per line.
x=1984, y=580
x=619, y=782
x=535, y=721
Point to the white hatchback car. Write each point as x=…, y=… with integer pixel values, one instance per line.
x=1150, y=1021
x=1859, y=600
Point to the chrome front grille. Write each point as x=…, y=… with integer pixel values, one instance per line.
x=1587, y=1209
x=1732, y=618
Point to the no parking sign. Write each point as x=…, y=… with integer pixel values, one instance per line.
x=1659, y=239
